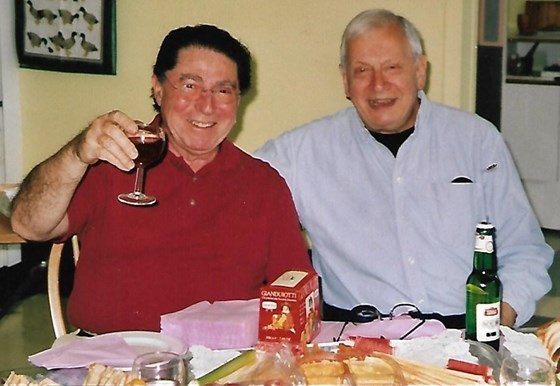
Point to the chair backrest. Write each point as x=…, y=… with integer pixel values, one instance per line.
x=53, y=284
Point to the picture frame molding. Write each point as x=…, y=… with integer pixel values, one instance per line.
x=53, y=60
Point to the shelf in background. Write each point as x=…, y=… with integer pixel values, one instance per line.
x=541, y=37
x=532, y=80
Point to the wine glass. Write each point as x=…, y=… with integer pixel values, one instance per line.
x=527, y=370
x=160, y=368
x=150, y=143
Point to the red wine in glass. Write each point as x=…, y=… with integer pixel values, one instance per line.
x=149, y=149
x=150, y=143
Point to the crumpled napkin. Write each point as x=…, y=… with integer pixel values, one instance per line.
x=387, y=328
x=109, y=350
x=518, y=343
x=435, y=350
x=230, y=324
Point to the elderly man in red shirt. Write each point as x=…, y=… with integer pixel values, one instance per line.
x=223, y=225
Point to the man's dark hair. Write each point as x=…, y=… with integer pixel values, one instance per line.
x=203, y=36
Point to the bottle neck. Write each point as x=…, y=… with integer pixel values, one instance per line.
x=484, y=254
x=483, y=261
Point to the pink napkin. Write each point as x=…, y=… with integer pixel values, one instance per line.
x=109, y=350
x=231, y=324
x=388, y=328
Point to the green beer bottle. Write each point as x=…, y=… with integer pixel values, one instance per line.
x=484, y=290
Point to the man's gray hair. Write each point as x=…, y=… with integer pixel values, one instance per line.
x=375, y=18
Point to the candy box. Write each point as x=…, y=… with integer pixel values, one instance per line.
x=289, y=308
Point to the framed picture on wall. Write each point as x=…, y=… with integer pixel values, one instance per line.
x=67, y=36
x=491, y=25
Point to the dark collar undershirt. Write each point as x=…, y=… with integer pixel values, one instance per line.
x=392, y=141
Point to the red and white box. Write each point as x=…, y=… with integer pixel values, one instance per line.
x=289, y=308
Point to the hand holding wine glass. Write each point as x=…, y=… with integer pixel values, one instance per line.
x=150, y=143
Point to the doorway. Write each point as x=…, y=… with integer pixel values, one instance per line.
x=10, y=116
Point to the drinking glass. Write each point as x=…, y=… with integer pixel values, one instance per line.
x=150, y=143
x=160, y=368
x=527, y=370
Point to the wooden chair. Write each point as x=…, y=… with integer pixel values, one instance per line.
x=53, y=284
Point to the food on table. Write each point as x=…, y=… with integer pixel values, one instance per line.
x=367, y=344
x=471, y=368
x=549, y=334
x=136, y=382
x=98, y=375
x=204, y=360
x=23, y=380
x=325, y=372
x=375, y=371
x=247, y=358
x=380, y=368
x=345, y=364
x=417, y=373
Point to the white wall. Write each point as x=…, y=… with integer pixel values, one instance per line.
x=295, y=45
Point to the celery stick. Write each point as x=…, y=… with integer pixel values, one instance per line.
x=248, y=357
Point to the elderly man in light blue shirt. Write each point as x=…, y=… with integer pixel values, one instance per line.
x=390, y=190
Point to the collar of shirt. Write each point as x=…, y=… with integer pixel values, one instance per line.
x=226, y=159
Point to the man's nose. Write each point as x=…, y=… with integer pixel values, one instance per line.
x=205, y=101
x=377, y=80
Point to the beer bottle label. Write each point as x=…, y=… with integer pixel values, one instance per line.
x=484, y=243
x=487, y=322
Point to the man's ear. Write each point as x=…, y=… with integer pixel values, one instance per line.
x=157, y=89
x=342, y=70
x=421, y=72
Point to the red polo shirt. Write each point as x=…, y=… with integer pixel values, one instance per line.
x=217, y=234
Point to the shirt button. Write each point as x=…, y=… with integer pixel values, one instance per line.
x=195, y=178
x=420, y=301
x=411, y=261
x=192, y=202
x=399, y=180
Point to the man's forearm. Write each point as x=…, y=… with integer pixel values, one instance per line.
x=39, y=208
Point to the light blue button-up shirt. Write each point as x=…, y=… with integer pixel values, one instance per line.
x=391, y=229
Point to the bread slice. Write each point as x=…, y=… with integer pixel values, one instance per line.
x=23, y=380
x=47, y=382
x=325, y=372
x=100, y=375
x=94, y=374
x=16, y=379
x=371, y=371
x=549, y=334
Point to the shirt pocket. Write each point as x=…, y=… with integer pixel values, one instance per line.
x=458, y=207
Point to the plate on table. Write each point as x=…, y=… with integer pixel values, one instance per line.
x=147, y=341
x=143, y=342
x=140, y=341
